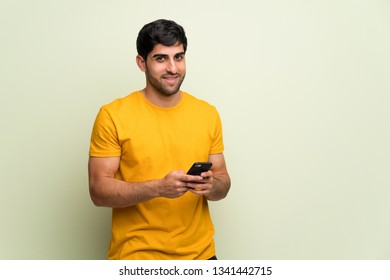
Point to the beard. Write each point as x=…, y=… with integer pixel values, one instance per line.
x=162, y=88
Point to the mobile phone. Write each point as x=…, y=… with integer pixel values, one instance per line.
x=198, y=167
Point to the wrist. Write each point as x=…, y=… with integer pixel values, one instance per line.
x=156, y=187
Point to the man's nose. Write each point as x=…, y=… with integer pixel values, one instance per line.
x=172, y=66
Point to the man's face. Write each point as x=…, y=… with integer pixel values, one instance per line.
x=165, y=68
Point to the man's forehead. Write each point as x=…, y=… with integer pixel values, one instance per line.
x=168, y=50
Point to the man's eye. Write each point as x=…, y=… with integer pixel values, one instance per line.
x=179, y=57
x=160, y=58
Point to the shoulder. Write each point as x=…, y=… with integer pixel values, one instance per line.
x=121, y=103
x=203, y=110
x=194, y=101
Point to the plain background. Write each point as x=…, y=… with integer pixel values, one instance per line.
x=302, y=88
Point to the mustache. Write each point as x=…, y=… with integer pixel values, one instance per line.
x=168, y=75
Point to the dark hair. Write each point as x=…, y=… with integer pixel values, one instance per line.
x=161, y=31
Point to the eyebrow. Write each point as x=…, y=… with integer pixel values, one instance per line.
x=165, y=55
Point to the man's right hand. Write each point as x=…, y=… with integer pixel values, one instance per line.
x=175, y=184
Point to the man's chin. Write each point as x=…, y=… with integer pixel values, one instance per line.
x=168, y=91
x=168, y=94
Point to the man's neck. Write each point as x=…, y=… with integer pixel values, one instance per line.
x=164, y=101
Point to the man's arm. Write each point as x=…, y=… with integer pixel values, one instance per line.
x=216, y=183
x=221, y=178
x=107, y=191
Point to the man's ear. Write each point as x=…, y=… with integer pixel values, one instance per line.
x=141, y=63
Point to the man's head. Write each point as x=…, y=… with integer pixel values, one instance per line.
x=162, y=31
x=161, y=49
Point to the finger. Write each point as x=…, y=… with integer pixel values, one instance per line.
x=207, y=174
x=185, y=188
x=193, y=178
x=197, y=186
x=199, y=192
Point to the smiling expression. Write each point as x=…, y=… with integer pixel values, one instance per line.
x=165, y=69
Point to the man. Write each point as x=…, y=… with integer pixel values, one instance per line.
x=141, y=147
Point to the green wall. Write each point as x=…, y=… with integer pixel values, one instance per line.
x=303, y=90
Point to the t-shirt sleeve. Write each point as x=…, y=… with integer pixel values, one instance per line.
x=217, y=145
x=104, y=138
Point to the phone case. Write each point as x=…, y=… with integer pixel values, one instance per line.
x=198, y=167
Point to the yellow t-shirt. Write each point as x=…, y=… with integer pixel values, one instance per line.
x=152, y=141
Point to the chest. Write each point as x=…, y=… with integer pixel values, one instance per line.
x=150, y=138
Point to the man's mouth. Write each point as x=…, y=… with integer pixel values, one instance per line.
x=171, y=78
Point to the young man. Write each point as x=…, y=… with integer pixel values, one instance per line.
x=141, y=147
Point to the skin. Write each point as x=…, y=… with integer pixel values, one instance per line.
x=164, y=70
